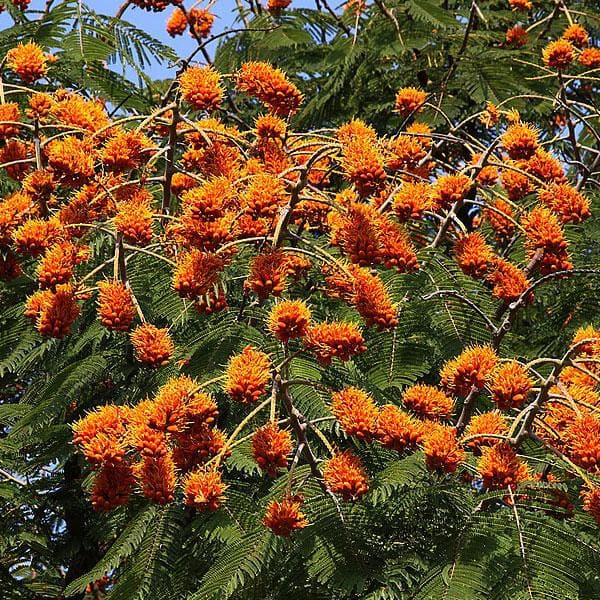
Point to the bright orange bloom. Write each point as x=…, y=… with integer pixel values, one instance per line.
x=153, y=346
x=473, y=255
x=264, y=196
x=28, y=61
x=356, y=411
x=511, y=385
x=336, y=339
x=204, y=490
x=449, y=189
x=177, y=23
x=201, y=22
x=500, y=467
x=583, y=442
x=109, y=419
x=405, y=152
x=36, y=235
x=577, y=35
x=345, y=475
x=490, y=116
x=115, y=305
x=33, y=303
x=589, y=348
x=441, y=448
x=134, y=219
x=397, y=250
x=409, y=100
x=201, y=87
x=545, y=167
x=209, y=200
x=276, y=6
x=14, y=209
x=156, y=477
x=565, y=201
x=397, y=430
x=196, y=273
x=520, y=5
x=559, y=54
x=247, y=375
x=502, y=226
x=58, y=264
x=284, y=517
x=591, y=501
x=40, y=105
x=484, y=424
x=58, y=311
x=76, y=111
x=271, y=86
x=364, y=165
x=355, y=129
x=508, y=281
x=10, y=116
x=104, y=449
x=517, y=185
x=590, y=58
x=125, y=151
x=270, y=127
x=520, y=141
x=428, y=402
x=271, y=447
x=422, y=132
x=516, y=36
x=181, y=183
x=412, y=200
x=289, y=319
x=267, y=275
x=112, y=487
x=471, y=368
x=146, y=439
x=39, y=185
x=572, y=376
x=19, y=152
x=71, y=160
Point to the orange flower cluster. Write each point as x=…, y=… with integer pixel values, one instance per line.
x=247, y=375
x=345, y=475
x=153, y=346
x=201, y=88
x=271, y=447
x=335, y=339
x=470, y=370
x=115, y=305
x=356, y=411
x=289, y=320
x=284, y=517
x=500, y=467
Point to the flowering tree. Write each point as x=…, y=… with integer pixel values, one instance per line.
x=254, y=349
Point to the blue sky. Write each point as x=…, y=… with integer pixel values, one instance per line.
x=155, y=23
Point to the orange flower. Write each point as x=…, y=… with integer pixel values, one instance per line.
x=271, y=86
x=449, y=189
x=104, y=449
x=591, y=501
x=422, y=132
x=271, y=447
x=345, y=475
x=247, y=375
x=356, y=411
x=71, y=160
x=18, y=152
x=590, y=58
x=516, y=36
x=405, y=152
x=545, y=167
x=264, y=196
x=520, y=5
x=508, y=281
x=363, y=164
x=156, y=476
x=14, y=209
x=134, y=219
x=471, y=368
x=28, y=61
x=284, y=517
x=441, y=448
x=511, y=385
x=328, y=340
x=355, y=129
x=428, y=402
x=182, y=183
x=577, y=35
x=201, y=22
x=565, y=201
x=270, y=127
x=503, y=227
x=58, y=264
x=10, y=116
x=36, y=235
x=500, y=467
x=397, y=249
x=267, y=273
x=520, y=141
x=289, y=320
x=559, y=54
x=201, y=87
x=517, y=185
x=204, y=490
x=125, y=150
x=112, y=487
x=490, y=116
x=409, y=100
x=177, y=23
x=153, y=346
x=196, y=273
x=397, y=430
x=57, y=312
x=412, y=200
x=109, y=419
x=152, y=5
x=39, y=185
x=115, y=305
x=590, y=348
x=482, y=425
x=276, y=6
x=76, y=111
x=582, y=437
x=473, y=255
